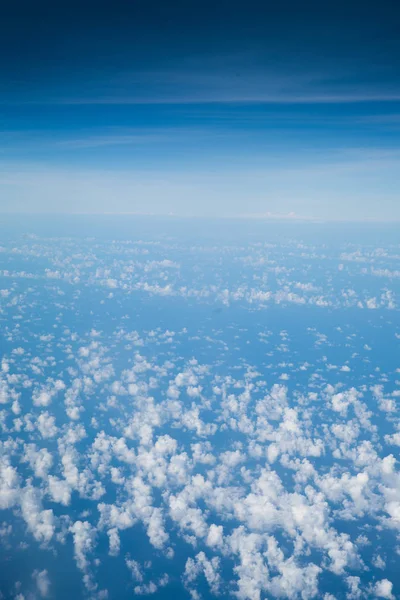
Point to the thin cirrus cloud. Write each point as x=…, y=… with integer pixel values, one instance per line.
x=218, y=86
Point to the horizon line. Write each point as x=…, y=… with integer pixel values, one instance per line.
x=239, y=217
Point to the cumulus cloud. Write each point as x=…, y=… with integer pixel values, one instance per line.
x=42, y=582
x=383, y=589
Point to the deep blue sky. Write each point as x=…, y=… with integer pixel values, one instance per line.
x=211, y=108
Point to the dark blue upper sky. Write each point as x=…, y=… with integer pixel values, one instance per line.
x=223, y=108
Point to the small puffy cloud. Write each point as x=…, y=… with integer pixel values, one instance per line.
x=42, y=582
x=383, y=589
x=215, y=536
x=46, y=424
x=83, y=535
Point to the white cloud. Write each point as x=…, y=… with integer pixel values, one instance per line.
x=42, y=582
x=383, y=589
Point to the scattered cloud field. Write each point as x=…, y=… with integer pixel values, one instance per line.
x=199, y=416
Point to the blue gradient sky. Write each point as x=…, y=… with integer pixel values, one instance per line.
x=211, y=109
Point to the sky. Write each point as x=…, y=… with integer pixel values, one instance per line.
x=226, y=109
